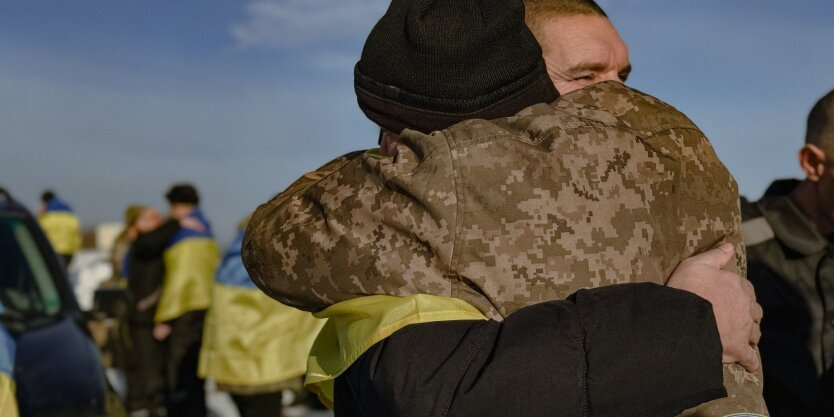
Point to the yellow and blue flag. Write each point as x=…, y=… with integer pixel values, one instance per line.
x=250, y=339
x=191, y=258
x=61, y=226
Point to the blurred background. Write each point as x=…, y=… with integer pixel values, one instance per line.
x=110, y=102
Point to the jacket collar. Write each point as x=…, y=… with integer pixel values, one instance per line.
x=790, y=225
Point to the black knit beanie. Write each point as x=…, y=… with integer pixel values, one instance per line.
x=428, y=64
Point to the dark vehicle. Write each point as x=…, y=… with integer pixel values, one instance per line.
x=57, y=368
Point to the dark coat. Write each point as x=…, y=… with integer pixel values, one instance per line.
x=625, y=350
x=792, y=268
x=146, y=271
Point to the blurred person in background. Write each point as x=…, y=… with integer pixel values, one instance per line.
x=790, y=248
x=121, y=246
x=148, y=235
x=253, y=347
x=61, y=225
x=113, y=308
x=190, y=259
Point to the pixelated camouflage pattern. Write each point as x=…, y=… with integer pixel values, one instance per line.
x=606, y=185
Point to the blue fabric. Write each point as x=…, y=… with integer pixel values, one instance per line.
x=124, y=268
x=7, y=349
x=188, y=233
x=231, y=271
x=56, y=205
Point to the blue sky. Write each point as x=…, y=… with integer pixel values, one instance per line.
x=109, y=102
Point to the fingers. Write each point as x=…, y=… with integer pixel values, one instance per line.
x=757, y=312
x=748, y=289
x=750, y=360
x=755, y=334
x=193, y=224
x=718, y=257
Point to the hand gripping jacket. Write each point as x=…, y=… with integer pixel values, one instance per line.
x=606, y=185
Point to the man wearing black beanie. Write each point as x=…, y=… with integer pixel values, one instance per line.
x=430, y=64
x=496, y=219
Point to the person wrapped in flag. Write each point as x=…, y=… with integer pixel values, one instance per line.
x=190, y=260
x=61, y=225
x=253, y=347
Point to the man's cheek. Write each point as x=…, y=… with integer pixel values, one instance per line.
x=565, y=87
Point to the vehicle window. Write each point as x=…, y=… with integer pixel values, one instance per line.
x=26, y=285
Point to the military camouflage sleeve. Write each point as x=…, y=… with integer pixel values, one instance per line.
x=261, y=262
x=374, y=226
x=722, y=222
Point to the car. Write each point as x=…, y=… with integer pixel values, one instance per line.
x=57, y=369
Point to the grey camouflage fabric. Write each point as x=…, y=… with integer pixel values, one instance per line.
x=604, y=186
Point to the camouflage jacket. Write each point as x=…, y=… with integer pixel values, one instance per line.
x=606, y=185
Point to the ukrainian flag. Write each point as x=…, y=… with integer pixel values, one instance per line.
x=250, y=339
x=191, y=259
x=8, y=401
x=61, y=226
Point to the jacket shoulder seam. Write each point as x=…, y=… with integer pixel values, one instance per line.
x=456, y=233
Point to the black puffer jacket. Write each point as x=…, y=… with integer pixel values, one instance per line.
x=632, y=350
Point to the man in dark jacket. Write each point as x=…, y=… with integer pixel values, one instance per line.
x=790, y=241
x=190, y=257
x=146, y=272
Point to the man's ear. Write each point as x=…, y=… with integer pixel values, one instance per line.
x=388, y=141
x=812, y=161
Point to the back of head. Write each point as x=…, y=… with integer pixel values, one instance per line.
x=47, y=196
x=538, y=11
x=428, y=64
x=820, y=130
x=183, y=194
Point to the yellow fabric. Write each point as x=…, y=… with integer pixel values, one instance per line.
x=189, y=274
x=8, y=401
x=253, y=340
x=63, y=231
x=355, y=325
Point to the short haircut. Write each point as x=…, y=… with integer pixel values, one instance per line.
x=821, y=125
x=537, y=11
x=183, y=194
x=47, y=196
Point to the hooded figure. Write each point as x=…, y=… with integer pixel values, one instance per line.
x=485, y=218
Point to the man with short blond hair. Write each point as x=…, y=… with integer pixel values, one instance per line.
x=581, y=47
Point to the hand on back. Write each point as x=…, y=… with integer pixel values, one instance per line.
x=733, y=300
